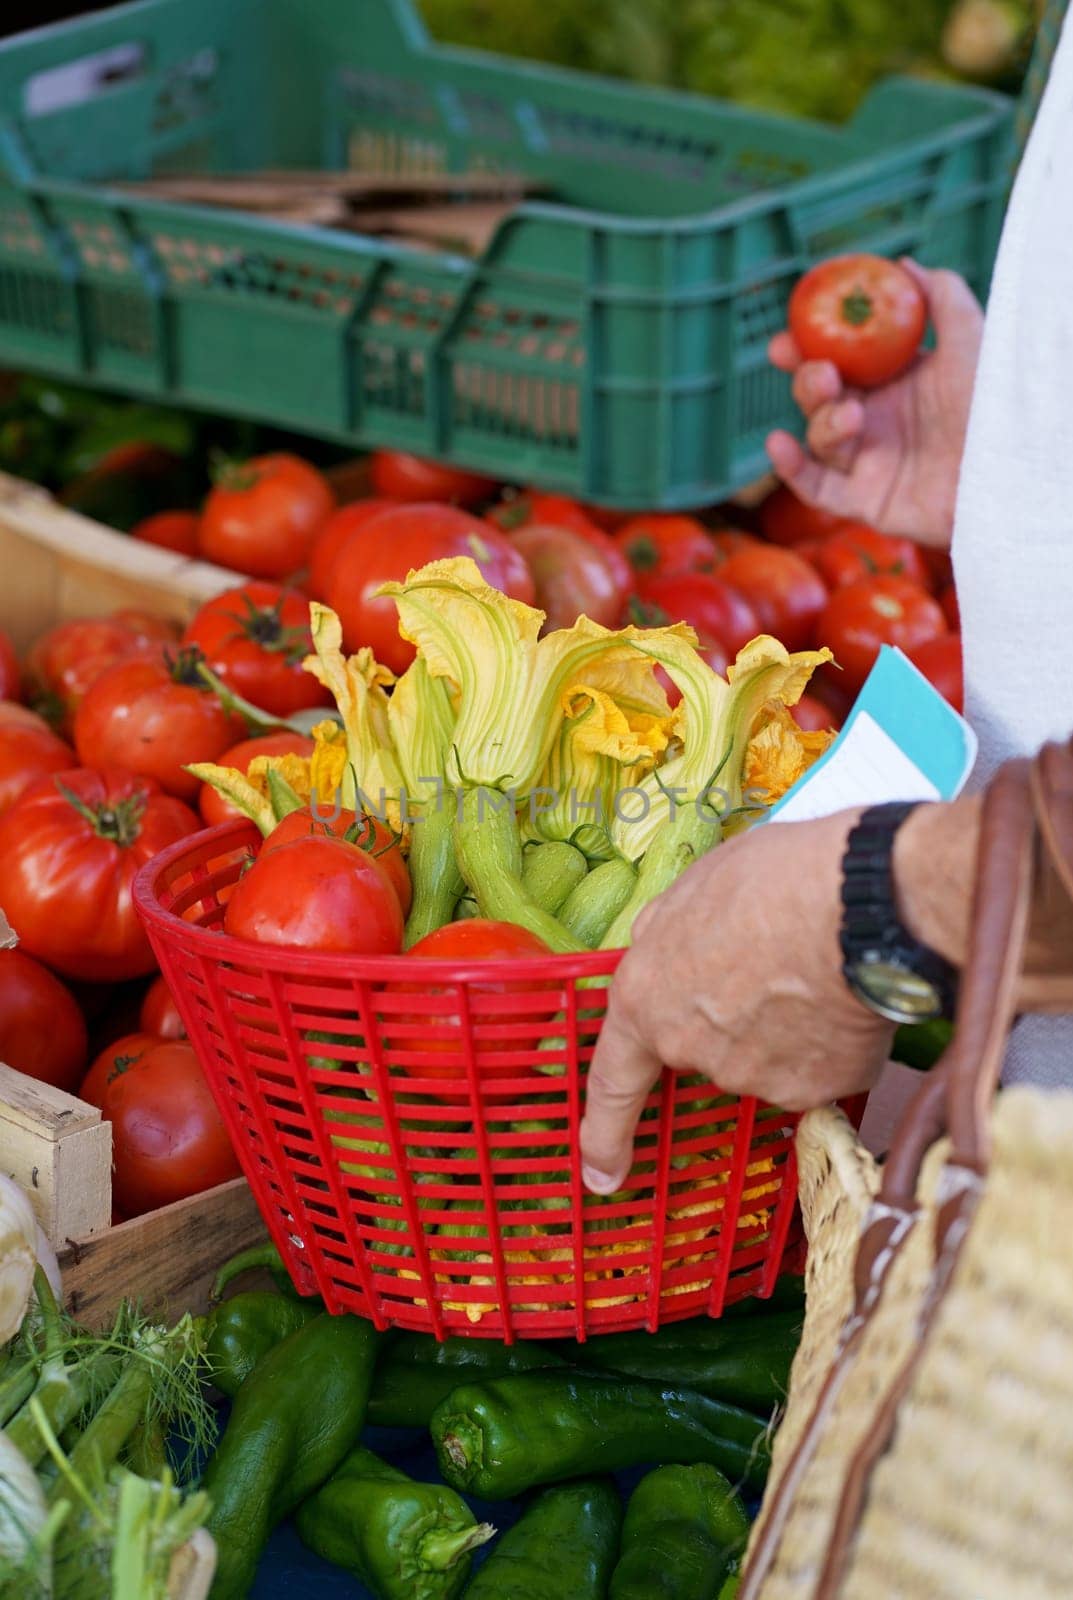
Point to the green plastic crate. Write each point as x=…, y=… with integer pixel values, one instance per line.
x=611, y=344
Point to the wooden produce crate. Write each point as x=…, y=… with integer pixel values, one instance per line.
x=56, y=565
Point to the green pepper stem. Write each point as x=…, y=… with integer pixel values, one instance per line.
x=260, y=1257
x=441, y=1551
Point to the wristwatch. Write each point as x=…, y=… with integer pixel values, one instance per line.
x=888, y=970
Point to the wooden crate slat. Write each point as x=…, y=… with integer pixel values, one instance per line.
x=60, y=1151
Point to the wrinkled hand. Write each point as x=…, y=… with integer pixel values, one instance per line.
x=735, y=972
x=891, y=456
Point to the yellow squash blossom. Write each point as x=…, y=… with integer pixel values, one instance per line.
x=779, y=753
x=371, y=779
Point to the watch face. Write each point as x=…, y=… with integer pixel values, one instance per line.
x=895, y=992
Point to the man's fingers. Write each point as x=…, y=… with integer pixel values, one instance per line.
x=816, y=384
x=834, y=433
x=783, y=353
x=956, y=314
x=620, y=1078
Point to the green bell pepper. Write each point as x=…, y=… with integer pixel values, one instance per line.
x=746, y=1360
x=294, y=1421
x=416, y=1373
x=563, y=1547
x=403, y=1540
x=244, y=1329
x=683, y=1527
x=499, y=1438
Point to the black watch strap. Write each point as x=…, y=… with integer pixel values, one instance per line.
x=873, y=936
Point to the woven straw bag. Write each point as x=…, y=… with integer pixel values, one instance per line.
x=927, y=1447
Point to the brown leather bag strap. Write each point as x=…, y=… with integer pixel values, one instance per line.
x=968, y=1076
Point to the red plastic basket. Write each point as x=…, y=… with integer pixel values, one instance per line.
x=411, y=1136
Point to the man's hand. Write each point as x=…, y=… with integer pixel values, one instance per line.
x=891, y=456
x=735, y=972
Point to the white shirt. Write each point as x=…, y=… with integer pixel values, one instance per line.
x=1013, y=534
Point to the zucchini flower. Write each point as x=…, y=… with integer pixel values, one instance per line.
x=275, y=785
x=421, y=719
x=601, y=737
x=678, y=812
x=509, y=680
x=780, y=753
x=714, y=723
x=371, y=780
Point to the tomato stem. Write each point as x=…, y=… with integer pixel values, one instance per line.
x=857, y=308
x=120, y=824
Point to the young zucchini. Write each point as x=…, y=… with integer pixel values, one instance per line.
x=596, y=902
x=551, y=872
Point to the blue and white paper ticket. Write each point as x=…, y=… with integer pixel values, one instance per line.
x=901, y=741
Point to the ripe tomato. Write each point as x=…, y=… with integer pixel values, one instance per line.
x=368, y=833
x=70, y=848
x=212, y=805
x=159, y=1014
x=168, y=1138
x=255, y=638
x=666, y=546
x=562, y=512
x=29, y=750
x=397, y=475
x=171, y=530
x=951, y=610
x=153, y=717
x=477, y=939
x=785, y=592
x=940, y=662
x=573, y=578
x=42, y=1029
x=111, y=1062
x=717, y=612
x=813, y=716
x=64, y=662
x=263, y=516
x=334, y=535
x=10, y=676
x=317, y=894
x=784, y=519
x=865, y=314
x=393, y=545
x=860, y=619
x=857, y=551
x=535, y=506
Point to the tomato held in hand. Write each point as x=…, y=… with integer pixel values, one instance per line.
x=786, y=593
x=573, y=578
x=367, y=833
x=710, y=606
x=317, y=894
x=477, y=939
x=857, y=551
x=334, y=535
x=153, y=717
x=70, y=848
x=399, y=476
x=255, y=638
x=666, y=546
x=170, y=530
x=400, y=540
x=29, y=750
x=786, y=520
x=168, y=1138
x=940, y=662
x=860, y=619
x=159, y=1014
x=65, y=662
x=112, y=1061
x=10, y=676
x=864, y=313
x=42, y=1029
x=212, y=805
x=263, y=516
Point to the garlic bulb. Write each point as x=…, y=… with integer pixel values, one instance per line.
x=18, y=1257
